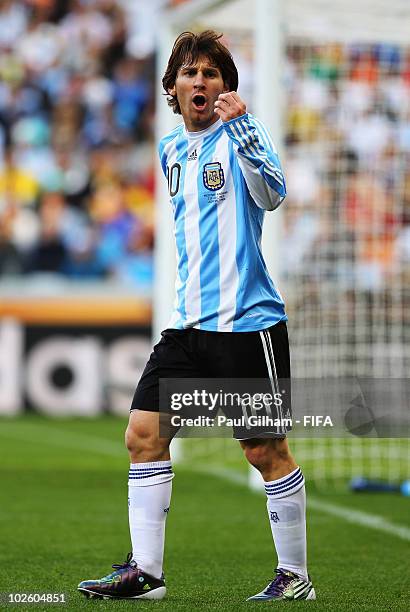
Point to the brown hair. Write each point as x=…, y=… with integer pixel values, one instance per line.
x=187, y=48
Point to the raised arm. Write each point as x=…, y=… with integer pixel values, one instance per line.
x=256, y=153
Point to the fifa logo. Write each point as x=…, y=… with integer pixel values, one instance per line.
x=213, y=176
x=274, y=517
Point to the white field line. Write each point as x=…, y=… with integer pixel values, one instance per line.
x=52, y=435
x=350, y=515
x=358, y=517
x=84, y=442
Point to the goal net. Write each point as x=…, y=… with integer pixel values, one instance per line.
x=344, y=242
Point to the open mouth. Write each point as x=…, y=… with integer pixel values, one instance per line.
x=199, y=101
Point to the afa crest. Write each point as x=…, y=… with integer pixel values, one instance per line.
x=213, y=176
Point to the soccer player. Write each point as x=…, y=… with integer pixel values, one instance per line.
x=229, y=321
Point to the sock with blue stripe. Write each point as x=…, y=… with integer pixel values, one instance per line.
x=287, y=516
x=149, y=496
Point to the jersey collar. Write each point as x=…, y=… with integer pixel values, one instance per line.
x=209, y=130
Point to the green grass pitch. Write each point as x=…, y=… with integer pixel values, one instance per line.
x=63, y=518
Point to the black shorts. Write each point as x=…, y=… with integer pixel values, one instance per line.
x=193, y=353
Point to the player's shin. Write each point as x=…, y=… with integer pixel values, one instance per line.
x=287, y=515
x=149, y=495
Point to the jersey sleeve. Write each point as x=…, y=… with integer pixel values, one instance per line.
x=258, y=160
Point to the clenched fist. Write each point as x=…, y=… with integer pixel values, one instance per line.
x=229, y=106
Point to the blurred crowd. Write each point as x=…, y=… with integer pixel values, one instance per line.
x=348, y=164
x=76, y=138
x=77, y=150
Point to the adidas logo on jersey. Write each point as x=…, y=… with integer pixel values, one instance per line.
x=193, y=156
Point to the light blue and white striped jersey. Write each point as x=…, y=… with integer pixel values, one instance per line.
x=221, y=181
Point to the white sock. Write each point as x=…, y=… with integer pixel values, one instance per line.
x=149, y=496
x=287, y=515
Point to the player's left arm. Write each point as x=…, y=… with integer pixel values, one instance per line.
x=256, y=153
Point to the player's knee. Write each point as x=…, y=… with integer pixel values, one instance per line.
x=266, y=454
x=142, y=443
x=131, y=439
x=257, y=456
